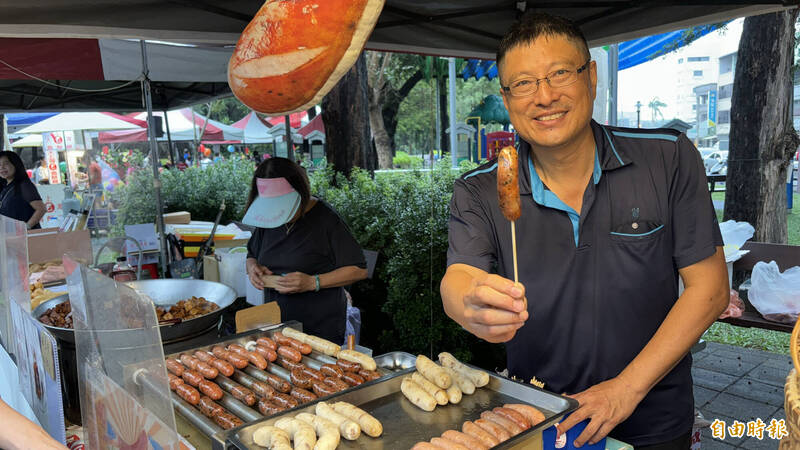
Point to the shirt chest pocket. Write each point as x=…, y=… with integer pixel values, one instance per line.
x=636, y=230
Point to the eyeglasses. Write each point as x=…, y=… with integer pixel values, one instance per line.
x=558, y=78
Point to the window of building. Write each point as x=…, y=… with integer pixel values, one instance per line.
x=680, y=60
x=694, y=107
x=697, y=73
x=724, y=116
x=725, y=91
x=697, y=58
x=796, y=107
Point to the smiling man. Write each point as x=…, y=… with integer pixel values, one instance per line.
x=611, y=218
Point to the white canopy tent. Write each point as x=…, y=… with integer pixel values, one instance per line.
x=87, y=121
x=184, y=125
x=254, y=129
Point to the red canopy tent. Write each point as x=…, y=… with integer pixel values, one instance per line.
x=295, y=120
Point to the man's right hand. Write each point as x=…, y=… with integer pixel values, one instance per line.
x=492, y=307
x=255, y=271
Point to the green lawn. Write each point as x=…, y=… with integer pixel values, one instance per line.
x=772, y=341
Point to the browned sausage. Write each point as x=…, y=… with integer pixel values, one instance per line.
x=290, y=353
x=188, y=393
x=513, y=416
x=254, y=358
x=321, y=389
x=174, y=381
x=211, y=389
x=508, y=183
x=292, y=342
x=209, y=407
x=369, y=375
x=203, y=356
x=287, y=401
x=267, y=342
x=243, y=394
x=447, y=444
x=175, y=367
x=502, y=421
x=303, y=395
x=267, y=353
x=227, y=421
x=331, y=370
x=224, y=367
x=352, y=379
x=268, y=407
x=262, y=389
x=290, y=365
x=201, y=367
x=494, y=429
x=237, y=361
x=300, y=379
x=464, y=439
x=278, y=383
x=336, y=383
x=192, y=377
x=314, y=374
x=488, y=439
x=348, y=366
x=425, y=446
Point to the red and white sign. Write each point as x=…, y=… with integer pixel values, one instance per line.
x=58, y=141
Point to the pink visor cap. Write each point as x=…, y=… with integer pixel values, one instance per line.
x=276, y=204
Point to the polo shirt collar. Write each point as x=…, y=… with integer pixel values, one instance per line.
x=607, y=156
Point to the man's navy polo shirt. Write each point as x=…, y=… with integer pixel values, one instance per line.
x=598, y=283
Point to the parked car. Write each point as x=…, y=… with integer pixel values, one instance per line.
x=714, y=158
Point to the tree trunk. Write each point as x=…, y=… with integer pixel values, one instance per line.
x=391, y=105
x=383, y=145
x=344, y=111
x=762, y=138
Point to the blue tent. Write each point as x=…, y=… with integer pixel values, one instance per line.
x=631, y=53
x=23, y=119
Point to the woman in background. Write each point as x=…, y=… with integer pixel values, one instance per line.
x=19, y=198
x=301, y=252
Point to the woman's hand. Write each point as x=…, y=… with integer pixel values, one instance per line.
x=17, y=432
x=295, y=282
x=255, y=271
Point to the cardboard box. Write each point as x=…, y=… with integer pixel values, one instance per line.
x=257, y=316
x=210, y=268
x=49, y=244
x=230, y=243
x=180, y=217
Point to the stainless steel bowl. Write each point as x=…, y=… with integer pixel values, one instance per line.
x=164, y=293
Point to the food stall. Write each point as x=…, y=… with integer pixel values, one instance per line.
x=119, y=365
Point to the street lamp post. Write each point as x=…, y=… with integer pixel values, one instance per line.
x=638, y=111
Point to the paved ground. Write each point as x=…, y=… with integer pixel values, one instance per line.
x=735, y=383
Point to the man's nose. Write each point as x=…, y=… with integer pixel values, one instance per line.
x=545, y=95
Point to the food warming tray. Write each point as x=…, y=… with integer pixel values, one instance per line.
x=404, y=424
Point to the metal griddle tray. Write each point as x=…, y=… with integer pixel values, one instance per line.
x=404, y=424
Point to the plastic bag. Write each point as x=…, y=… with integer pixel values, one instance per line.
x=774, y=294
x=232, y=271
x=734, y=235
x=735, y=306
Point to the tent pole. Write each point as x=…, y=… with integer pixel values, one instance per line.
x=169, y=140
x=289, y=141
x=613, y=66
x=453, y=136
x=151, y=134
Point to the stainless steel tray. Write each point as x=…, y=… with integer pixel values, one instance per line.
x=395, y=361
x=251, y=413
x=404, y=424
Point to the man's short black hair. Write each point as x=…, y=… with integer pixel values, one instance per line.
x=534, y=24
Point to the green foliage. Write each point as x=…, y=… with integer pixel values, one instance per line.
x=404, y=216
x=405, y=161
x=122, y=159
x=227, y=110
x=199, y=191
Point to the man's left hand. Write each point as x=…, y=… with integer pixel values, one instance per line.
x=295, y=282
x=606, y=404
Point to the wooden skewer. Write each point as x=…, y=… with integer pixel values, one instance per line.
x=514, y=251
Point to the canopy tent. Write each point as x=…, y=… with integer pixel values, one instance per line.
x=18, y=121
x=31, y=140
x=80, y=75
x=467, y=28
x=314, y=129
x=88, y=121
x=180, y=129
x=254, y=129
x=296, y=120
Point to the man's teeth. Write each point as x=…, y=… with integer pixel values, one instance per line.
x=551, y=116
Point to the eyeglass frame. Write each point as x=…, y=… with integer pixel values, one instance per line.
x=578, y=71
